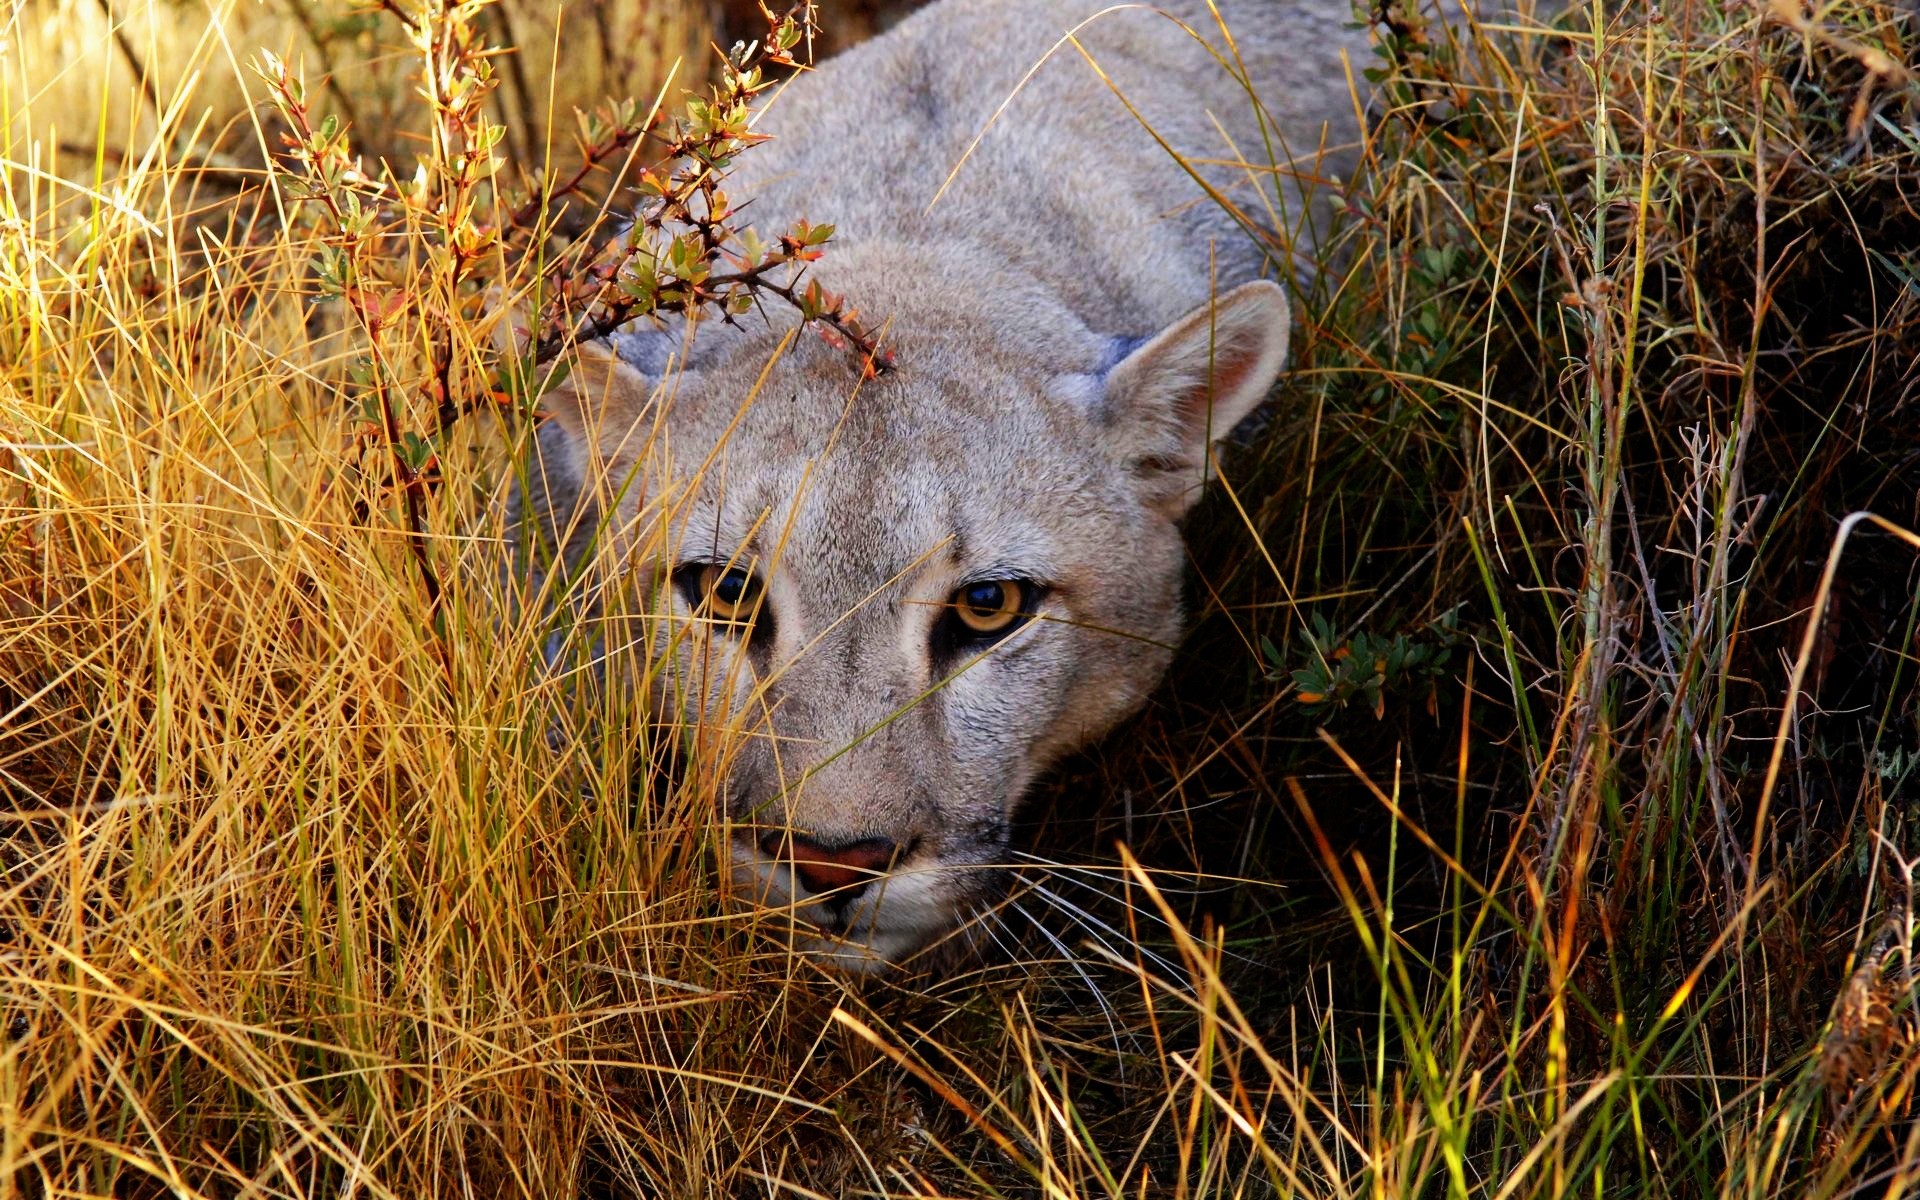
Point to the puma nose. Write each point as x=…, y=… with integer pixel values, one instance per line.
x=844, y=869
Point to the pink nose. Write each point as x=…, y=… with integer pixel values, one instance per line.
x=845, y=869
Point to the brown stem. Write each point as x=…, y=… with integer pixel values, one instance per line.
x=594, y=157
x=303, y=13
x=521, y=123
x=413, y=486
x=617, y=312
x=132, y=56
x=405, y=18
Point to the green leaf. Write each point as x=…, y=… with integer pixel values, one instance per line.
x=415, y=451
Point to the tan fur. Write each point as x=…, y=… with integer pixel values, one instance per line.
x=1015, y=438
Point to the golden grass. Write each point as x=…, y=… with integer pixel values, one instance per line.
x=312, y=886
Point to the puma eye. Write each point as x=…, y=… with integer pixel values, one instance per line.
x=728, y=593
x=990, y=607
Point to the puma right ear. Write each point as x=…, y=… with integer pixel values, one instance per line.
x=1169, y=401
x=601, y=400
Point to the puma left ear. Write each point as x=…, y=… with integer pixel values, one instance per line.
x=1171, y=399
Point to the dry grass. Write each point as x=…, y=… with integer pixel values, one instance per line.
x=315, y=886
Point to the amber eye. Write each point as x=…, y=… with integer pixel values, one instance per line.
x=990, y=606
x=731, y=593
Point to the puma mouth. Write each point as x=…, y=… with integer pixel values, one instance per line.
x=859, y=929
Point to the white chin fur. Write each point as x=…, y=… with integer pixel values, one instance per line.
x=856, y=957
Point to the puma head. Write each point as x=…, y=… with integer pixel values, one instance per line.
x=897, y=602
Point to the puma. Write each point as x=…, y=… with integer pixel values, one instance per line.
x=899, y=601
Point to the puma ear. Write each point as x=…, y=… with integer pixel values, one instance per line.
x=1171, y=399
x=601, y=400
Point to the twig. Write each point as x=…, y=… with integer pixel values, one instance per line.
x=133, y=58
x=303, y=13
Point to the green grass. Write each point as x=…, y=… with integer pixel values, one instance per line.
x=1474, y=848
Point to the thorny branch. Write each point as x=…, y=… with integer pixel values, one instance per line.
x=666, y=264
x=406, y=256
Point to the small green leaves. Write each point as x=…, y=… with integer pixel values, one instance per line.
x=802, y=242
x=684, y=255
x=1364, y=668
x=753, y=251
x=785, y=35
x=333, y=269
x=813, y=301
x=415, y=452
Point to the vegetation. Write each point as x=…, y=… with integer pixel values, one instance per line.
x=1531, y=814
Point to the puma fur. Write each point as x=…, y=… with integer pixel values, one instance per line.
x=899, y=602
